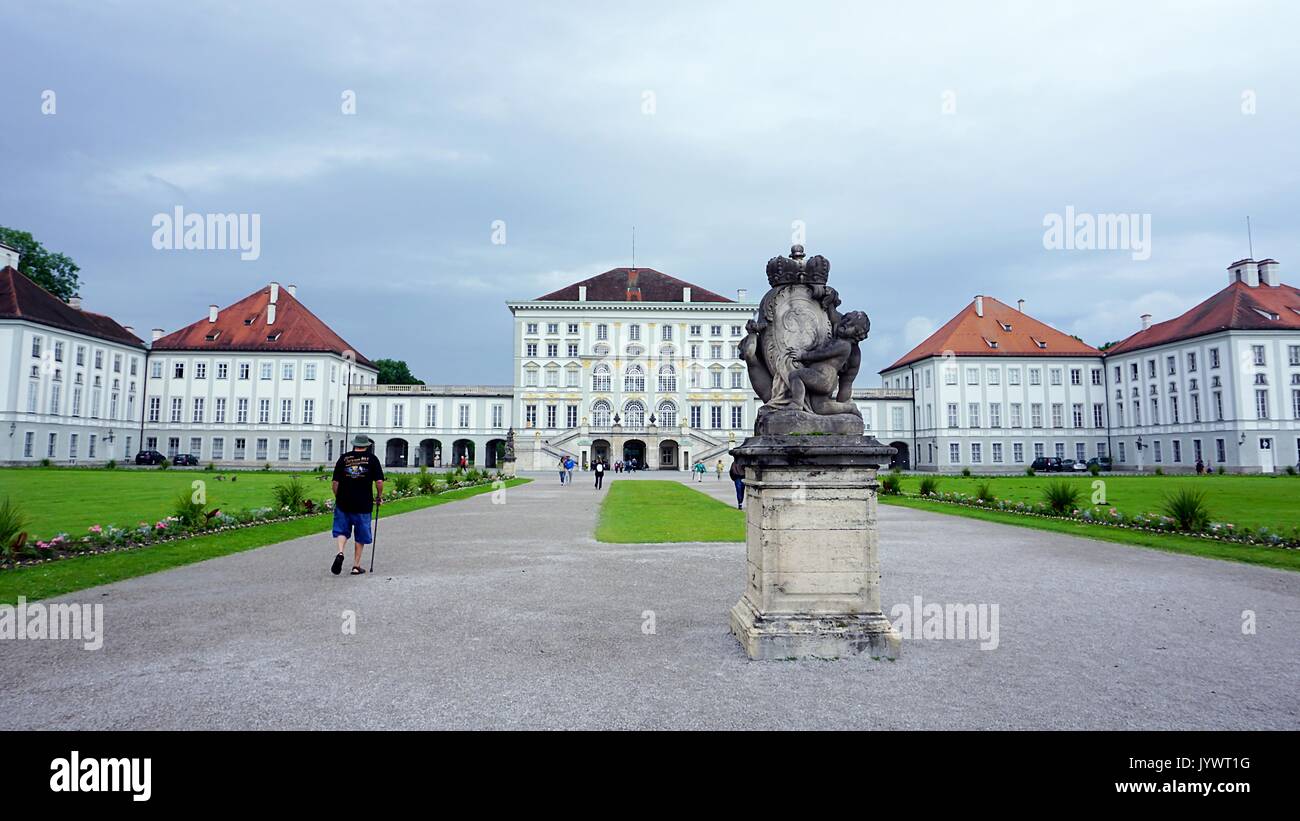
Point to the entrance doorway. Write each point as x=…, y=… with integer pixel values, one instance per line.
x=634, y=449
x=668, y=455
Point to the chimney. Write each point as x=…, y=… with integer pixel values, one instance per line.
x=270, y=314
x=979, y=305
x=275, y=292
x=742, y=294
x=129, y=329
x=1269, y=273
x=156, y=334
x=1146, y=321
x=8, y=257
x=686, y=294
x=74, y=302
x=633, y=289
x=582, y=293
x=212, y=313
x=1020, y=305
x=1244, y=270
x=292, y=289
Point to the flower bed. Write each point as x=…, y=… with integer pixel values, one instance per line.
x=111, y=538
x=1111, y=517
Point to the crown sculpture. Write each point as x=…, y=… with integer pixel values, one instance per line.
x=802, y=353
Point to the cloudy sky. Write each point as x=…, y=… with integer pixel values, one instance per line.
x=921, y=147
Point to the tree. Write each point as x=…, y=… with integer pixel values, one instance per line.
x=395, y=372
x=54, y=272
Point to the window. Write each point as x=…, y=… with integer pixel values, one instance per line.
x=1293, y=354
x=952, y=415
x=1177, y=447
x=715, y=351
x=737, y=416
x=1155, y=449
x=972, y=376
x=973, y=414
x=244, y=368
x=430, y=415
x=223, y=370
x=286, y=411
x=1035, y=376
x=552, y=349
x=1060, y=450
x=530, y=377
x=634, y=415
x=1171, y=365
x=462, y=415
x=1017, y=419
x=600, y=379
x=200, y=370
x=530, y=328
x=1055, y=375
x=1036, y=415
x=1261, y=404
x=666, y=333
x=634, y=379
x=1173, y=409
x=600, y=413
x=530, y=349
x=283, y=450
x=976, y=453
x=197, y=416
x=1098, y=411
x=1096, y=376
x=175, y=409
x=1218, y=406
x=1058, y=414
x=715, y=417
x=1257, y=355
x=715, y=330
x=994, y=376
x=1076, y=414
x=552, y=327
x=1076, y=376
x=572, y=328
x=266, y=370
x=1191, y=362
x=997, y=453
x=737, y=379
x=696, y=330
x=241, y=411
x=219, y=409
x=1151, y=369
x=178, y=370
x=1295, y=404
x=995, y=414
x=715, y=378
x=552, y=377
x=398, y=414
x=309, y=411
x=572, y=349
x=1018, y=453
x=1080, y=452
x=264, y=411
x=954, y=453
x=155, y=372
x=667, y=379
x=304, y=450
x=634, y=333
x=309, y=375
x=571, y=416
x=950, y=376
x=573, y=377
x=602, y=332
x=530, y=416
x=1013, y=376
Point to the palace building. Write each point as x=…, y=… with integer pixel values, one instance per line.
x=636, y=364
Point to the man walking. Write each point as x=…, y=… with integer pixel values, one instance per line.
x=737, y=474
x=569, y=465
x=354, y=473
x=599, y=469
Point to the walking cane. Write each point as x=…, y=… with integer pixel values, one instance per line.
x=374, y=535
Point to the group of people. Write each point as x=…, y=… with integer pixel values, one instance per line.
x=630, y=466
x=566, y=466
x=699, y=469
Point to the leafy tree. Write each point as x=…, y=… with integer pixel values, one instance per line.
x=54, y=272
x=395, y=372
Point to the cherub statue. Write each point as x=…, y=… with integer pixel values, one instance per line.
x=823, y=381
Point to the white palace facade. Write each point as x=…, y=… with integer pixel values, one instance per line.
x=636, y=364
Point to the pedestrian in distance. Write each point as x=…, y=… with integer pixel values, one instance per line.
x=354, y=474
x=719, y=470
x=569, y=465
x=599, y=470
x=562, y=469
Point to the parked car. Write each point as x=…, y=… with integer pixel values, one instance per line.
x=1048, y=464
x=149, y=457
x=1077, y=465
x=185, y=459
x=1103, y=462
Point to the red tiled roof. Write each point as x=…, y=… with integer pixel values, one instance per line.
x=20, y=298
x=242, y=327
x=1235, y=308
x=969, y=335
x=633, y=285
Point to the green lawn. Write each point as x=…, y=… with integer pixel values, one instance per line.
x=661, y=511
x=42, y=581
x=1272, y=501
x=1264, y=556
x=69, y=500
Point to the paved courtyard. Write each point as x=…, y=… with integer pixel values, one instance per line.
x=512, y=616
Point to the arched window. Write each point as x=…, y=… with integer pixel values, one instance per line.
x=600, y=379
x=634, y=379
x=601, y=349
x=600, y=413
x=634, y=351
x=667, y=379
x=634, y=415
x=667, y=415
x=667, y=351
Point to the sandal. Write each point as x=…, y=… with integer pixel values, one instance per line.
x=337, y=567
x=357, y=571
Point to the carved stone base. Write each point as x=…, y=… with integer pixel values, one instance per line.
x=789, y=422
x=813, y=577
x=508, y=467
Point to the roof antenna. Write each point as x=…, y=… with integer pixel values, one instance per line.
x=1249, y=241
x=634, y=247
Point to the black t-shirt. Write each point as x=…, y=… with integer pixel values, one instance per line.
x=355, y=471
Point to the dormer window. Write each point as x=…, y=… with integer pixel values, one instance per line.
x=1006, y=326
x=212, y=337
x=275, y=337
x=1040, y=343
x=251, y=319
x=992, y=343
x=1266, y=314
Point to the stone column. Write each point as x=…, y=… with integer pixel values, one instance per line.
x=813, y=575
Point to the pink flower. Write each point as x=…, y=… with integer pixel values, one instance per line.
x=96, y=529
x=161, y=526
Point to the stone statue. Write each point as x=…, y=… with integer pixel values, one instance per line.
x=802, y=354
x=510, y=444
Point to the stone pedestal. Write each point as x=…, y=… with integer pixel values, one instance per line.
x=508, y=467
x=813, y=577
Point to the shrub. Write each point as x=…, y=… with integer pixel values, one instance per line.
x=1062, y=496
x=267, y=467
x=111, y=464
x=1290, y=471
x=211, y=466
x=402, y=482
x=929, y=485
x=965, y=472
x=12, y=523
x=1094, y=469
x=1222, y=470
x=891, y=485
x=473, y=475
x=1029, y=471
x=984, y=490
x=425, y=481
x=45, y=463
x=1187, y=508
x=164, y=464
x=188, y=513
x=1160, y=471
x=291, y=495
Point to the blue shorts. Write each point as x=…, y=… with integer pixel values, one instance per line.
x=345, y=524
